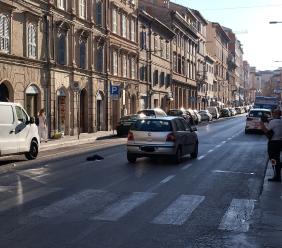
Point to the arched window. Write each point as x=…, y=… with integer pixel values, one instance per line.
x=61, y=49
x=82, y=53
x=99, y=12
x=4, y=34
x=31, y=41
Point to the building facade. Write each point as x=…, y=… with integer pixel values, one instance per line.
x=56, y=67
x=217, y=47
x=155, y=62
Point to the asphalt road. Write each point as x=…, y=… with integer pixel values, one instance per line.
x=63, y=200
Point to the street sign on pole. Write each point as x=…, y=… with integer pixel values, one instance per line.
x=114, y=91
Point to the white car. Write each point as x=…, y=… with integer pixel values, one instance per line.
x=205, y=115
x=254, y=118
x=18, y=133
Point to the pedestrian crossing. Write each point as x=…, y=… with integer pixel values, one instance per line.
x=109, y=207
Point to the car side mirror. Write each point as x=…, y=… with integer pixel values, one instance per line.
x=30, y=121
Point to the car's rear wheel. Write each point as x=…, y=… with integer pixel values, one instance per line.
x=131, y=157
x=194, y=154
x=33, y=151
x=178, y=156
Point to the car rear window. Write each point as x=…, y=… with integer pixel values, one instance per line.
x=152, y=126
x=258, y=113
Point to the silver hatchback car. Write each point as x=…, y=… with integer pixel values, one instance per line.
x=165, y=136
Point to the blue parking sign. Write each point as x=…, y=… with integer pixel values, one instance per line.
x=114, y=91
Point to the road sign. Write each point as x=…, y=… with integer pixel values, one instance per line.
x=114, y=91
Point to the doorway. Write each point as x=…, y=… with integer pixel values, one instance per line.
x=83, y=111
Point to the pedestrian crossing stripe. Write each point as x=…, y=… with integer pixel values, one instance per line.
x=179, y=211
x=238, y=215
x=124, y=206
x=108, y=206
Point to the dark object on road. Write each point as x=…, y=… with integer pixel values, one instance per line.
x=94, y=158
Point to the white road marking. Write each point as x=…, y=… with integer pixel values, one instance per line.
x=223, y=142
x=209, y=151
x=6, y=188
x=35, y=174
x=119, y=209
x=186, y=167
x=179, y=211
x=233, y=172
x=167, y=179
x=64, y=205
x=27, y=197
x=217, y=146
x=229, y=138
x=238, y=215
x=201, y=157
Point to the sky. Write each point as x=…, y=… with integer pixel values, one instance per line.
x=249, y=20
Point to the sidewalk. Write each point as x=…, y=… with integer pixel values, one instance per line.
x=84, y=138
x=267, y=227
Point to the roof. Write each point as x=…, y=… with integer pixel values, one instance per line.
x=10, y=104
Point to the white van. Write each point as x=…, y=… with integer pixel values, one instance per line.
x=214, y=112
x=18, y=132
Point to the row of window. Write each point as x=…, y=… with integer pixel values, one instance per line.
x=123, y=25
x=31, y=35
x=82, y=8
x=183, y=66
x=159, y=78
x=124, y=62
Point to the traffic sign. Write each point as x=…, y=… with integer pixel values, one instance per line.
x=114, y=91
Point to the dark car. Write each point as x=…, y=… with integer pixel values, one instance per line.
x=225, y=112
x=181, y=113
x=125, y=123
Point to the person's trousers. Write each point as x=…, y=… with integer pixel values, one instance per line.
x=274, y=148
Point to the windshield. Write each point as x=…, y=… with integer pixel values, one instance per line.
x=259, y=113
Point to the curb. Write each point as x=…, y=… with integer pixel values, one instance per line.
x=74, y=142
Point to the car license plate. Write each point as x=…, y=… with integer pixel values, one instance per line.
x=127, y=123
x=147, y=148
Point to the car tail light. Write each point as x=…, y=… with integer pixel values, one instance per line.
x=249, y=119
x=170, y=137
x=130, y=136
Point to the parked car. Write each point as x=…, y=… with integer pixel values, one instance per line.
x=167, y=136
x=181, y=113
x=225, y=112
x=124, y=124
x=232, y=111
x=214, y=112
x=238, y=110
x=205, y=115
x=254, y=118
x=199, y=118
x=18, y=132
x=193, y=115
x=156, y=112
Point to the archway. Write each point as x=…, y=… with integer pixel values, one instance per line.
x=32, y=100
x=83, y=111
x=100, y=113
x=6, y=92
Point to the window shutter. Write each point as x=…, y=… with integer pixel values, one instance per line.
x=99, y=13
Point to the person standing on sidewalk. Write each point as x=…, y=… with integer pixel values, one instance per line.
x=274, y=147
x=42, y=125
